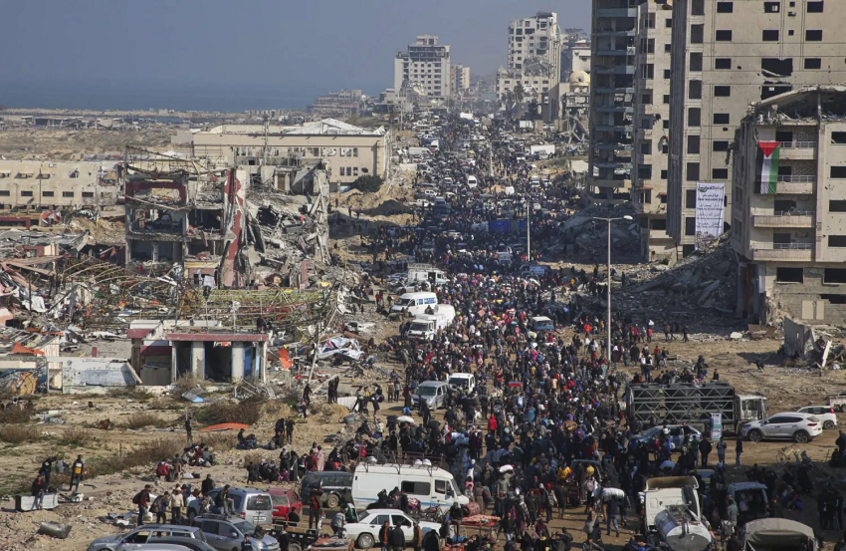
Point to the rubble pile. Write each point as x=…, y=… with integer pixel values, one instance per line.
x=584, y=235
x=706, y=281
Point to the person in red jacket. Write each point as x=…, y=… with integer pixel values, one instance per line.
x=492, y=426
x=316, y=508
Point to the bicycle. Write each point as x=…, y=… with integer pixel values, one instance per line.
x=790, y=454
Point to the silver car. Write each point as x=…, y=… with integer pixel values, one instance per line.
x=147, y=533
x=225, y=534
x=434, y=392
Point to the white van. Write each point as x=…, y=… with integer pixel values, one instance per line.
x=432, y=486
x=464, y=382
x=414, y=303
x=472, y=182
x=424, y=326
x=426, y=272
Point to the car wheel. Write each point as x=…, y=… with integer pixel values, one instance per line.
x=828, y=425
x=801, y=437
x=755, y=436
x=333, y=501
x=365, y=541
x=295, y=547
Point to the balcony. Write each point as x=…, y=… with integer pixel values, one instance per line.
x=613, y=32
x=795, y=188
x=621, y=90
x=627, y=51
x=620, y=128
x=799, y=252
x=796, y=219
x=799, y=151
x=615, y=109
x=618, y=70
x=617, y=12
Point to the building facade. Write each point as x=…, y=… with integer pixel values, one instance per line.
x=613, y=30
x=534, y=57
x=725, y=56
x=460, y=79
x=426, y=65
x=344, y=104
x=348, y=151
x=575, y=57
x=47, y=184
x=651, y=117
x=789, y=208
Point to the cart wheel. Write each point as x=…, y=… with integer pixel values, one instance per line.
x=332, y=501
x=295, y=547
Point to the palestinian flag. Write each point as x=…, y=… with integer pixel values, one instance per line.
x=768, y=154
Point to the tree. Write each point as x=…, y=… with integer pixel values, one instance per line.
x=367, y=183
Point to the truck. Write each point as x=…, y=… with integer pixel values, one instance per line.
x=543, y=151
x=777, y=534
x=671, y=514
x=418, y=272
x=431, y=486
x=680, y=403
x=425, y=326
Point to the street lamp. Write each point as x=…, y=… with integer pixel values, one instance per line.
x=608, y=284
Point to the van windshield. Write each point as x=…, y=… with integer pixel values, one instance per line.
x=426, y=390
x=407, y=302
x=259, y=502
x=460, y=382
x=420, y=326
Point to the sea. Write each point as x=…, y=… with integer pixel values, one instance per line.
x=107, y=95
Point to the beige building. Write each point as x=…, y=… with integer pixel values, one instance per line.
x=534, y=56
x=651, y=116
x=348, y=151
x=725, y=56
x=460, y=79
x=789, y=207
x=426, y=66
x=44, y=184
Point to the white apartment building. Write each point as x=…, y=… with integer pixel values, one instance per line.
x=725, y=56
x=534, y=58
x=459, y=79
x=789, y=207
x=575, y=58
x=46, y=184
x=651, y=116
x=425, y=65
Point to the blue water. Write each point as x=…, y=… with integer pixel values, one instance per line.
x=107, y=95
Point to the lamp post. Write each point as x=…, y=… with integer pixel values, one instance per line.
x=608, y=285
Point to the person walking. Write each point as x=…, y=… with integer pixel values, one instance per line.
x=612, y=514
x=315, y=511
x=37, y=491
x=721, y=451
x=142, y=500
x=705, y=448
x=397, y=538
x=76, y=471
x=160, y=507
x=189, y=428
x=385, y=537
x=738, y=450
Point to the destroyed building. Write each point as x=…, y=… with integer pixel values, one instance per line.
x=789, y=209
x=47, y=184
x=178, y=212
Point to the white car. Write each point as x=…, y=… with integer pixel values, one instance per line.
x=823, y=413
x=799, y=427
x=365, y=532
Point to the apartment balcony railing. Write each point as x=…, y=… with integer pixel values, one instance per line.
x=800, y=252
x=796, y=178
x=799, y=150
x=799, y=145
x=795, y=188
x=795, y=219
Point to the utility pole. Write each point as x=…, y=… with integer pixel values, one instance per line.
x=529, y=231
x=608, y=289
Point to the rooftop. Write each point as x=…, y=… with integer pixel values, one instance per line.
x=321, y=127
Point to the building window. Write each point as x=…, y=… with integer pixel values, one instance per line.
x=721, y=118
x=355, y=152
x=697, y=34
x=4, y=193
x=690, y=225
x=789, y=275
x=722, y=63
x=815, y=7
x=644, y=172
x=769, y=35
x=668, y=23
x=668, y=48
x=693, y=116
x=694, y=90
x=836, y=206
x=837, y=241
x=838, y=172
x=666, y=99
x=834, y=275
x=67, y=194
x=693, y=144
x=47, y=194
x=772, y=7
x=692, y=172
x=725, y=7
x=667, y=74
x=697, y=7
x=87, y=194
x=722, y=91
x=719, y=173
x=646, y=98
x=813, y=36
x=664, y=175
x=646, y=148
x=720, y=145
x=26, y=194
x=838, y=138
x=696, y=61
x=647, y=70
x=690, y=199
x=813, y=63
x=723, y=36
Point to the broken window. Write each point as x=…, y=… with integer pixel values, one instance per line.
x=772, y=7
x=67, y=194
x=838, y=138
x=768, y=91
x=836, y=206
x=834, y=299
x=720, y=145
x=660, y=223
x=87, y=194
x=784, y=136
x=644, y=172
x=790, y=275
x=834, y=275
x=690, y=225
x=26, y=193
x=774, y=67
x=47, y=194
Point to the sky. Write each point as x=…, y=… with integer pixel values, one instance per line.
x=250, y=54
